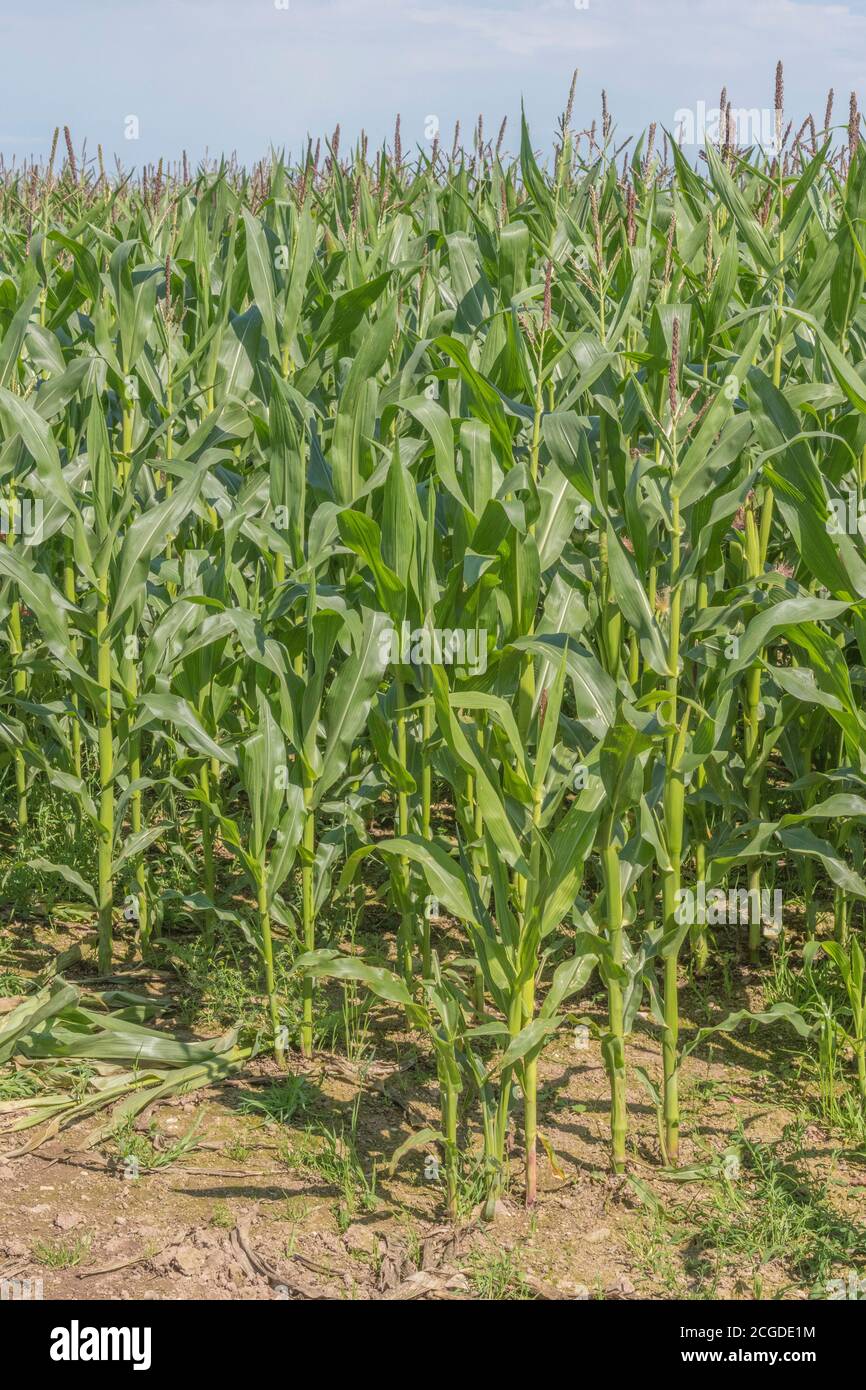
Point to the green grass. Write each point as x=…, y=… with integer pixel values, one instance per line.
x=237, y=1151
x=222, y=1217
x=18, y=1084
x=62, y=1254
x=334, y=1159
x=769, y=1223
x=778, y=1212
x=281, y=1101
x=140, y=1152
x=496, y=1277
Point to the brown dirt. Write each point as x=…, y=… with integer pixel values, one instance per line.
x=242, y=1215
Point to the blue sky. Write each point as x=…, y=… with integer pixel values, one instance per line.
x=241, y=74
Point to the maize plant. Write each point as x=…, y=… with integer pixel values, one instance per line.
x=476, y=539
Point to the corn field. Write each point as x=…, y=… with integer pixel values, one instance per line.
x=443, y=573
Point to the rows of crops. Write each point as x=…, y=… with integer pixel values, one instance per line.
x=460, y=541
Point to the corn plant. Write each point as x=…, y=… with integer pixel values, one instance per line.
x=488, y=524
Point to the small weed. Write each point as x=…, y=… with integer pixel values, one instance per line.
x=238, y=1151
x=221, y=1216
x=293, y=1209
x=150, y=1151
x=334, y=1158
x=18, y=1085
x=62, y=1254
x=281, y=1101
x=496, y=1277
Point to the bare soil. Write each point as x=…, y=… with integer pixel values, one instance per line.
x=245, y=1215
